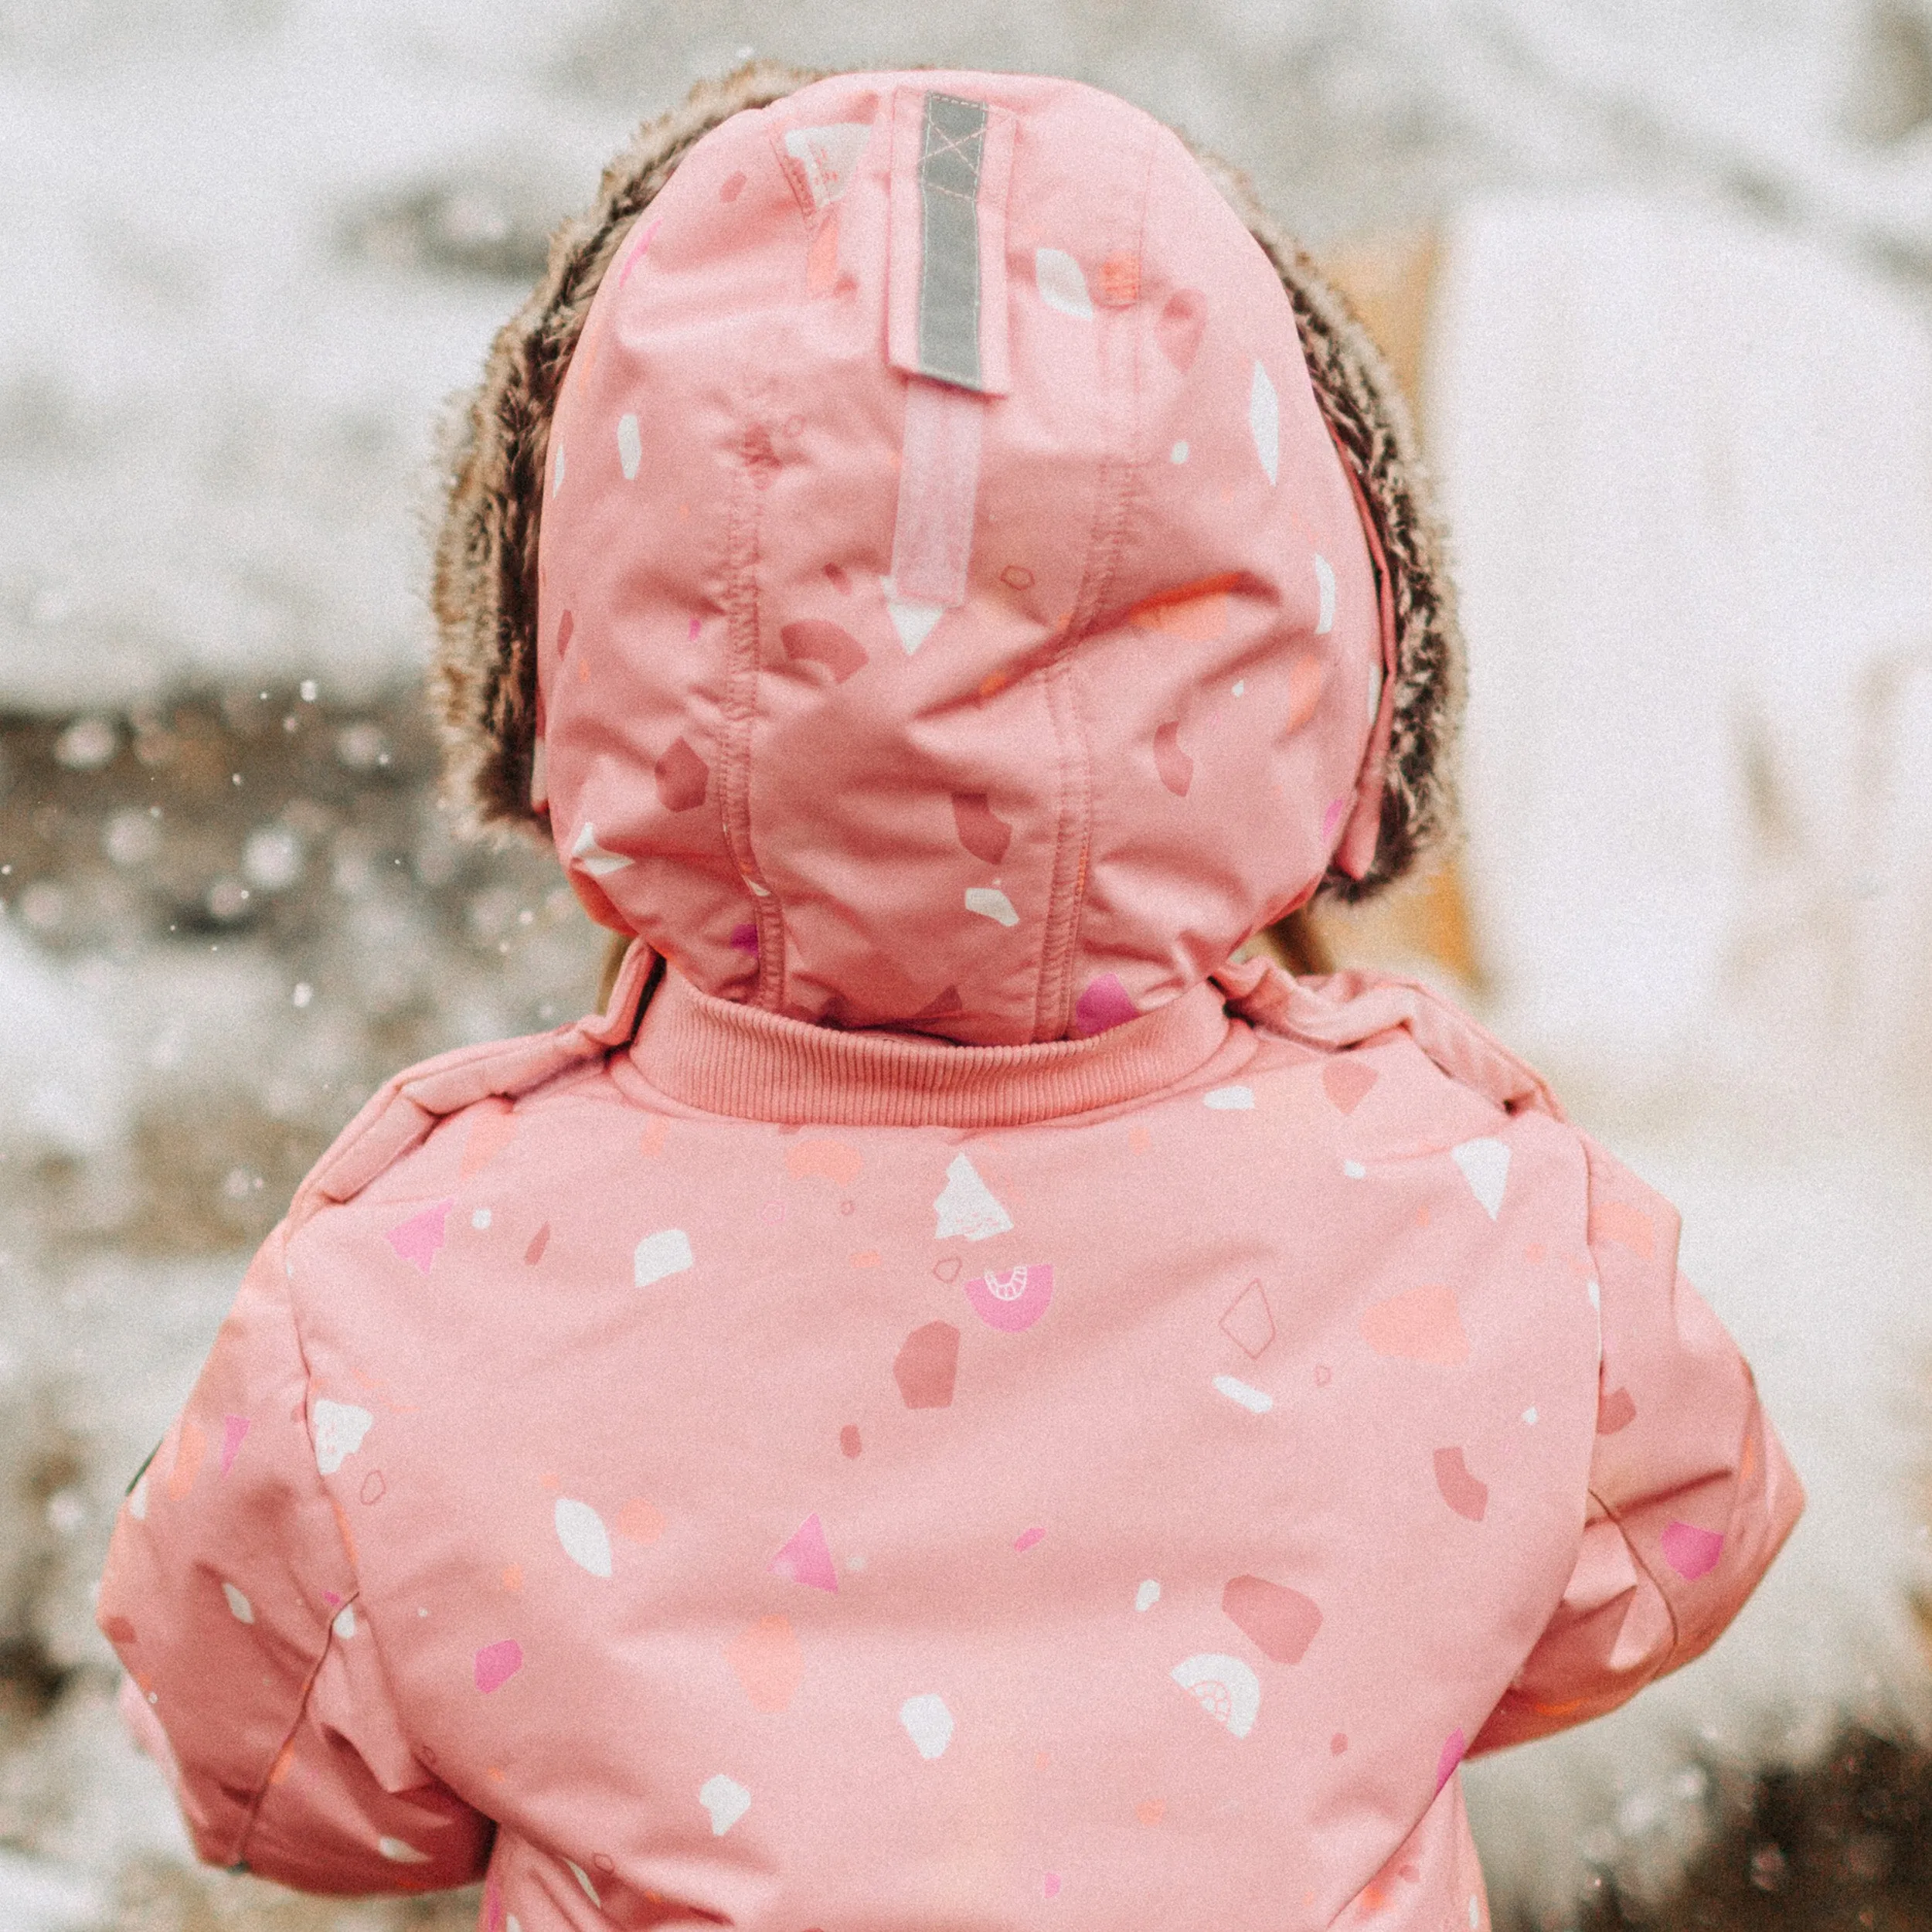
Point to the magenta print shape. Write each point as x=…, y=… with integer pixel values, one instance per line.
x=418, y=1240
x=1014, y=1300
x=1449, y=1757
x=641, y=250
x=1106, y=1003
x=1691, y=1552
x=804, y=1558
x=233, y=1428
x=497, y=1663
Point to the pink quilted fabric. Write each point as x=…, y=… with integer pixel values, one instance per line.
x=702, y=1466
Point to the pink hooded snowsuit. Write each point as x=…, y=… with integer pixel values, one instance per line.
x=952, y=1405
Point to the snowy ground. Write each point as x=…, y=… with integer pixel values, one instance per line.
x=247, y=247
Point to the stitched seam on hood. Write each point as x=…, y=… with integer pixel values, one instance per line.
x=1074, y=839
x=745, y=648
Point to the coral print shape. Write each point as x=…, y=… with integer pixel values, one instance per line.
x=767, y=1662
x=824, y=1160
x=966, y=1207
x=1223, y=1686
x=339, y=1428
x=1015, y=1300
x=1423, y=1326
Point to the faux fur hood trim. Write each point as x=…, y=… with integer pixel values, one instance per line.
x=483, y=674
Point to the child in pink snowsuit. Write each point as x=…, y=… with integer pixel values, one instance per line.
x=951, y=1404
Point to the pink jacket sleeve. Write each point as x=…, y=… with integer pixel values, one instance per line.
x=1690, y=1495
x=252, y=1674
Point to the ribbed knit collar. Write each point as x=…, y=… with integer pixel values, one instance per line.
x=729, y=1058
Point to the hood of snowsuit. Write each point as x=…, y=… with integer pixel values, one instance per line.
x=955, y=613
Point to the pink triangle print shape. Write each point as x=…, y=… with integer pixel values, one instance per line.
x=805, y=1558
x=418, y=1240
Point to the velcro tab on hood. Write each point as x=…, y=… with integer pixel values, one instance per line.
x=946, y=316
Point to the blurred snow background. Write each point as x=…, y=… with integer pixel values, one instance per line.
x=248, y=247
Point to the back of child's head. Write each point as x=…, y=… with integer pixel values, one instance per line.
x=938, y=558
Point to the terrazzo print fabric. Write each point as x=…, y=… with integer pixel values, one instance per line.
x=1005, y=701
x=1104, y=1468
x=1129, y=1515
